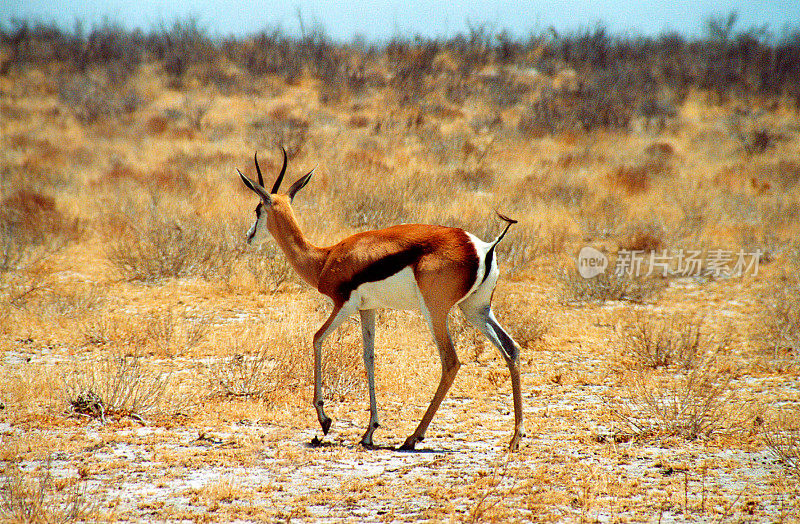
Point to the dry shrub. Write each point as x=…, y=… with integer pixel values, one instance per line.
x=168, y=334
x=157, y=247
x=265, y=366
x=365, y=163
x=358, y=121
x=280, y=130
x=475, y=178
x=668, y=341
x=164, y=178
x=26, y=496
x=114, y=386
x=492, y=491
x=269, y=269
x=157, y=332
x=782, y=437
x=31, y=226
x=257, y=368
x=553, y=240
x=643, y=239
x=777, y=330
x=688, y=405
x=373, y=210
x=606, y=286
x=659, y=151
x=519, y=248
x=222, y=491
x=522, y=320
x=602, y=219
x=343, y=371
x=630, y=179
x=638, y=177
x=36, y=298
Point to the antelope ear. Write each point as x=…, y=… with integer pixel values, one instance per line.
x=300, y=184
x=260, y=191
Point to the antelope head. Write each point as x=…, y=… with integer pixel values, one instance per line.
x=274, y=208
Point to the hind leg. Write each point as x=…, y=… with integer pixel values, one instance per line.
x=482, y=317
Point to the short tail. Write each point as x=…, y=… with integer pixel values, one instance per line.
x=490, y=254
x=510, y=222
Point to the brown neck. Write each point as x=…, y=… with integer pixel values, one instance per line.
x=306, y=258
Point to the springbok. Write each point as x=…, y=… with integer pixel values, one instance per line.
x=411, y=266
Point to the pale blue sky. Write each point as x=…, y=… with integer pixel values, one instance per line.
x=380, y=19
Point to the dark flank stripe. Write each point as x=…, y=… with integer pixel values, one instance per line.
x=383, y=268
x=427, y=248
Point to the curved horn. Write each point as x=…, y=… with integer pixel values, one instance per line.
x=283, y=172
x=258, y=169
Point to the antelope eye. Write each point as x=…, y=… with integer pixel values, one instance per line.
x=258, y=209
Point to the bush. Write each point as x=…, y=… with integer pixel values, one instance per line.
x=783, y=439
x=29, y=497
x=114, y=386
x=674, y=341
x=173, y=248
x=688, y=405
x=256, y=369
x=606, y=286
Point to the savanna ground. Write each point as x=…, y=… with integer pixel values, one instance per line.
x=154, y=367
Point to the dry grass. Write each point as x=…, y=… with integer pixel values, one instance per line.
x=127, y=292
x=256, y=368
x=606, y=286
x=674, y=341
x=779, y=332
x=115, y=386
x=28, y=496
x=688, y=405
x=157, y=247
x=783, y=439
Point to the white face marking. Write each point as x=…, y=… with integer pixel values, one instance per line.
x=257, y=226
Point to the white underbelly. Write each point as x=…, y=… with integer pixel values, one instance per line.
x=399, y=291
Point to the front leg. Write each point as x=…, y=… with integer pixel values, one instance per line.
x=338, y=315
x=368, y=334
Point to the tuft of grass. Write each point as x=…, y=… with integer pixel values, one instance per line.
x=687, y=405
x=523, y=321
x=173, y=248
x=269, y=269
x=264, y=367
x=114, y=386
x=157, y=332
x=783, y=439
x=781, y=322
x=672, y=341
x=606, y=286
x=257, y=369
x=38, y=497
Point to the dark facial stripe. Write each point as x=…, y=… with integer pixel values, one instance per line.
x=254, y=227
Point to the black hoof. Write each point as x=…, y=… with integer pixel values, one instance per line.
x=315, y=442
x=410, y=443
x=326, y=425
